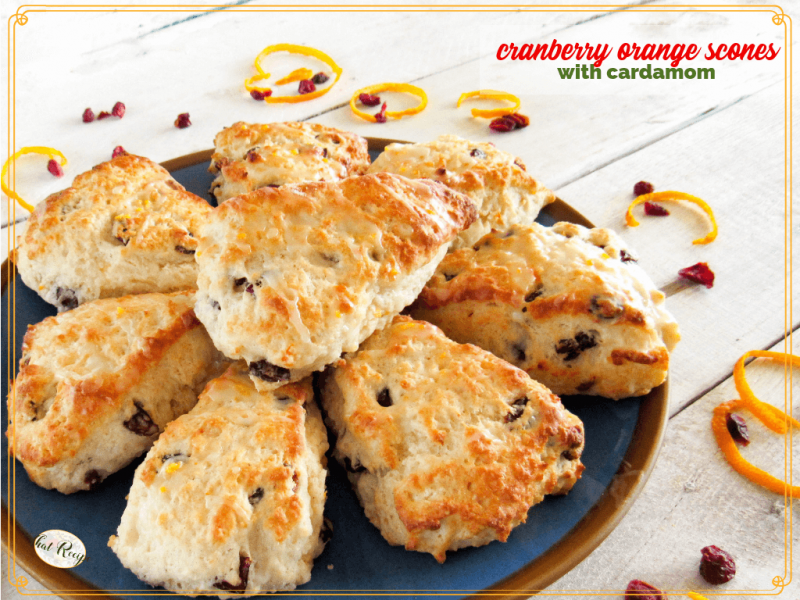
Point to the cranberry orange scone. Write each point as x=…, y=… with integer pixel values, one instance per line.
x=230, y=498
x=446, y=445
x=98, y=383
x=504, y=192
x=251, y=156
x=569, y=305
x=291, y=277
x=125, y=227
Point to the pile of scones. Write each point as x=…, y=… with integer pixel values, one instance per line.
x=221, y=341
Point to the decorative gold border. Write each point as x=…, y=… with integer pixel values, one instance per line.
x=506, y=588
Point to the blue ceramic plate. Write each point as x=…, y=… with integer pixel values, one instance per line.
x=622, y=441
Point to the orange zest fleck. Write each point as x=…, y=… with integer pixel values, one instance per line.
x=491, y=95
x=262, y=75
x=296, y=75
x=51, y=152
x=390, y=87
x=695, y=596
x=772, y=417
x=674, y=196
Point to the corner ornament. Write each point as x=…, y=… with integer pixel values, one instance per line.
x=778, y=18
x=20, y=583
x=20, y=18
x=778, y=582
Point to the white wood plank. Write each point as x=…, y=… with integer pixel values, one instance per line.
x=694, y=499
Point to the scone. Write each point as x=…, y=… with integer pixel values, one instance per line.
x=230, y=498
x=98, y=383
x=504, y=192
x=125, y=227
x=251, y=156
x=569, y=305
x=446, y=445
x=291, y=277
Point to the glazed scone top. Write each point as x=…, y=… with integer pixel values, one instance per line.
x=463, y=440
x=498, y=182
x=75, y=365
x=250, y=156
x=297, y=274
x=124, y=227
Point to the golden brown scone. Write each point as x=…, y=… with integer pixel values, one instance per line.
x=291, y=277
x=568, y=304
x=504, y=192
x=230, y=498
x=125, y=227
x=98, y=383
x=251, y=156
x=446, y=445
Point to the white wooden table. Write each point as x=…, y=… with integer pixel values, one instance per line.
x=723, y=140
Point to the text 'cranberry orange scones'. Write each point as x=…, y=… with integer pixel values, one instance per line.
x=291, y=277
x=251, y=156
x=496, y=181
x=125, y=227
x=98, y=383
x=569, y=305
x=446, y=445
x=230, y=498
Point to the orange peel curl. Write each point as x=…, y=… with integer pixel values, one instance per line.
x=673, y=196
x=45, y=150
x=293, y=49
x=390, y=87
x=296, y=75
x=490, y=113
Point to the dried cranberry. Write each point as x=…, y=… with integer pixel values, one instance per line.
x=306, y=87
x=55, y=168
x=605, y=307
x=519, y=120
x=699, y=273
x=269, y=372
x=381, y=116
x=385, y=398
x=66, y=299
x=626, y=256
x=118, y=151
x=182, y=122
x=92, y=479
x=369, y=99
x=643, y=187
x=534, y=294
x=477, y=153
x=738, y=429
x=244, y=572
x=716, y=565
x=503, y=124
x=638, y=590
x=184, y=250
x=88, y=115
x=256, y=496
x=517, y=408
x=118, y=110
x=103, y=115
x=655, y=210
x=260, y=95
x=320, y=78
x=141, y=423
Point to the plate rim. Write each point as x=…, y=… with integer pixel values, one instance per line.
x=586, y=535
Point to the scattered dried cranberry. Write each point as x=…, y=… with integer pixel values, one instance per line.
x=306, y=87
x=655, y=210
x=103, y=115
x=637, y=590
x=643, y=187
x=503, y=124
x=699, y=273
x=738, y=429
x=259, y=95
x=381, y=116
x=55, y=168
x=182, y=122
x=118, y=110
x=88, y=115
x=118, y=151
x=369, y=99
x=716, y=565
x=520, y=120
x=320, y=78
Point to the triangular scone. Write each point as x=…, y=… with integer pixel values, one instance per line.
x=291, y=277
x=498, y=183
x=569, y=305
x=230, y=498
x=251, y=156
x=446, y=445
x=98, y=383
x=125, y=227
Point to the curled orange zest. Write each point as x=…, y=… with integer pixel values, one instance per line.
x=294, y=49
x=492, y=95
x=390, y=87
x=674, y=196
x=772, y=417
x=296, y=75
x=249, y=83
x=51, y=152
x=695, y=596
